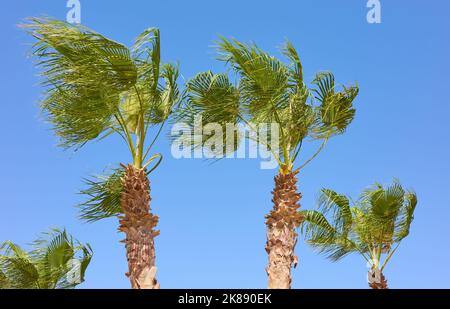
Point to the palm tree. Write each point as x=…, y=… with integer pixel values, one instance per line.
x=374, y=227
x=95, y=87
x=56, y=262
x=270, y=91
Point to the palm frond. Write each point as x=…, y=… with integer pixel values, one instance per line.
x=147, y=48
x=406, y=216
x=83, y=73
x=324, y=237
x=103, y=193
x=169, y=95
x=85, y=259
x=336, y=110
x=17, y=267
x=216, y=100
x=339, y=205
x=296, y=73
x=316, y=225
x=264, y=80
x=4, y=281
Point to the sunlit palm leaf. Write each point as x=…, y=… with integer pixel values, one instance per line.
x=216, y=100
x=339, y=205
x=336, y=110
x=84, y=73
x=406, y=216
x=264, y=80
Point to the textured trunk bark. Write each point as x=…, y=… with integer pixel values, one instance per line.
x=138, y=225
x=282, y=222
x=376, y=279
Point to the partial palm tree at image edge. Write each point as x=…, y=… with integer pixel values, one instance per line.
x=56, y=261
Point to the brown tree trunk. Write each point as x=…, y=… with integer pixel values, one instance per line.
x=282, y=222
x=376, y=279
x=137, y=223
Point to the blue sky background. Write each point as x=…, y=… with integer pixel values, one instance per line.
x=212, y=216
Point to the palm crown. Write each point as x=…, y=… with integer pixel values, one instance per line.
x=48, y=266
x=373, y=227
x=96, y=87
x=269, y=91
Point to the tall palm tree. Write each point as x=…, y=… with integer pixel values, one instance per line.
x=57, y=261
x=374, y=227
x=270, y=91
x=95, y=87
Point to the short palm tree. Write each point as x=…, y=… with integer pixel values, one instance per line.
x=270, y=91
x=374, y=227
x=57, y=261
x=96, y=87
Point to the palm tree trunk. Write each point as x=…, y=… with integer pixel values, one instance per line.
x=137, y=223
x=282, y=222
x=376, y=279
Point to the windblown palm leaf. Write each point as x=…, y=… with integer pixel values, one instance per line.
x=216, y=99
x=56, y=261
x=103, y=194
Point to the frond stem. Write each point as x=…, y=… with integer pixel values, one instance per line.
x=389, y=257
x=154, y=140
x=140, y=134
x=317, y=152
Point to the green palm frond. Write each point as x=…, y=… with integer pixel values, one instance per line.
x=59, y=250
x=169, y=95
x=147, y=44
x=103, y=196
x=4, y=281
x=85, y=259
x=336, y=110
x=20, y=272
x=17, y=267
x=384, y=202
x=296, y=73
x=83, y=73
x=52, y=252
x=264, y=80
x=339, y=205
x=324, y=237
x=76, y=55
x=146, y=52
x=316, y=225
x=406, y=216
x=216, y=100
x=79, y=116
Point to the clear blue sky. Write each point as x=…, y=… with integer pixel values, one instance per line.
x=212, y=216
